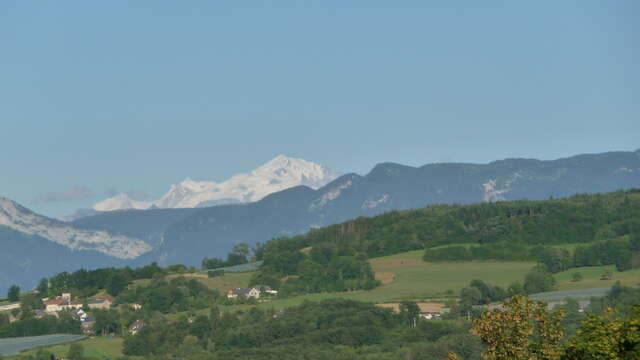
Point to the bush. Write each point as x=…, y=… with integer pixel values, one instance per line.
x=539, y=280
x=215, y=273
x=449, y=253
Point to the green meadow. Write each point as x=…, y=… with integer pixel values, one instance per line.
x=407, y=276
x=592, y=277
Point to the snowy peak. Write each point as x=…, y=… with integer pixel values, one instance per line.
x=21, y=219
x=184, y=194
x=121, y=201
x=279, y=173
x=286, y=169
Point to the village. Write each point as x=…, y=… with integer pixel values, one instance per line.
x=82, y=311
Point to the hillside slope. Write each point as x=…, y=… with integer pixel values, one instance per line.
x=576, y=219
x=213, y=231
x=25, y=259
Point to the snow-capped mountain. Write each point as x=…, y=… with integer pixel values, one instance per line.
x=19, y=218
x=121, y=201
x=278, y=174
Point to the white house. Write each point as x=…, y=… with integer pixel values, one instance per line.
x=61, y=303
x=253, y=292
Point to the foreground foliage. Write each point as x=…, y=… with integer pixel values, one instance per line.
x=329, y=329
x=343, y=329
x=607, y=336
x=522, y=330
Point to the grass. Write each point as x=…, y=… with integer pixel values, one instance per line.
x=98, y=347
x=415, y=279
x=591, y=277
x=406, y=276
x=140, y=282
x=248, y=267
x=220, y=283
x=464, y=245
x=569, y=247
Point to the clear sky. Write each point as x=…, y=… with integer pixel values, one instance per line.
x=99, y=96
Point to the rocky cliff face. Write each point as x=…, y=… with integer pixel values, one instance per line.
x=21, y=219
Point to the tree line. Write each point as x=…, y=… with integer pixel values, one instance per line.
x=510, y=230
x=622, y=252
x=323, y=268
x=239, y=255
x=29, y=325
x=84, y=283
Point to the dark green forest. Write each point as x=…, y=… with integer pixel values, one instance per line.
x=607, y=227
x=577, y=219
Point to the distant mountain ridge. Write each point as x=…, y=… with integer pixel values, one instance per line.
x=33, y=246
x=19, y=218
x=186, y=235
x=214, y=230
x=282, y=172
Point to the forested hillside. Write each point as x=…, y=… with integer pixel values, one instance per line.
x=516, y=230
x=577, y=219
x=185, y=235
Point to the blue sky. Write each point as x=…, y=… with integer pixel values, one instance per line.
x=120, y=95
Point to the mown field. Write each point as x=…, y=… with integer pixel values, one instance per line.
x=404, y=276
x=407, y=276
x=591, y=277
x=221, y=283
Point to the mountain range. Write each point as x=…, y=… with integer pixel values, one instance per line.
x=186, y=235
x=282, y=172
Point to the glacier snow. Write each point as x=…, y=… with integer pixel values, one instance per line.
x=280, y=173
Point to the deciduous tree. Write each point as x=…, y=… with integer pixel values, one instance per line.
x=523, y=330
x=607, y=336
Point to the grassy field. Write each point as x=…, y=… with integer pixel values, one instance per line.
x=569, y=247
x=406, y=276
x=220, y=283
x=412, y=278
x=591, y=277
x=99, y=347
